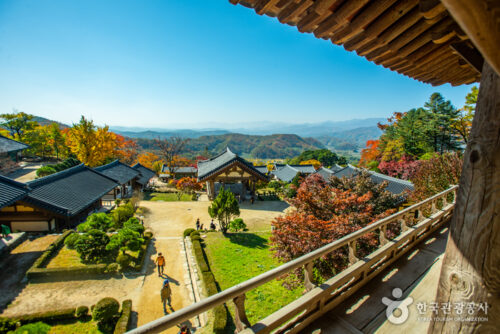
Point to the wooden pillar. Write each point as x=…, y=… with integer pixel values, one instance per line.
x=471, y=265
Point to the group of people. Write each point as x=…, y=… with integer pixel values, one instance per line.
x=199, y=226
x=166, y=291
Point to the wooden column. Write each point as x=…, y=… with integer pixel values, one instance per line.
x=471, y=265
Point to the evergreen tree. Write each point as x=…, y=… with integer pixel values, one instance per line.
x=223, y=208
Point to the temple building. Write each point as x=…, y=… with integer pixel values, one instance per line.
x=61, y=200
x=230, y=171
x=145, y=176
x=124, y=175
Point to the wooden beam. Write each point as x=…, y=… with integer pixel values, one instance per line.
x=480, y=19
x=469, y=273
x=369, y=14
x=386, y=20
x=292, y=10
x=431, y=8
x=318, y=13
x=469, y=54
x=262, y=6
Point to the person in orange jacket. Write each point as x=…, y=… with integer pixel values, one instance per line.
x=160, y=262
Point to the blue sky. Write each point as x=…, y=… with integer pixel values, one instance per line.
x=190, y=63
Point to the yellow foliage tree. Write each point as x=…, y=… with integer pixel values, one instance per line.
x=92, y=145
x=313, y=162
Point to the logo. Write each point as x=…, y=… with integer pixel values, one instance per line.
x=393, y=305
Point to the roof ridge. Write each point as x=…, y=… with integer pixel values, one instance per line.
x=109, y=165
x=227, y=150
x=390, y=177
x=295, y=169
x=56, y=176
x=14, y=182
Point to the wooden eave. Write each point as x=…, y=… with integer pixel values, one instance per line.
x=415, y=38
x=229, y=167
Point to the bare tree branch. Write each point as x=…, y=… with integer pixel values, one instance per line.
x=170, y=148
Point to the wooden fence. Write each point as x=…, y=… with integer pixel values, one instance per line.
x=417, y=222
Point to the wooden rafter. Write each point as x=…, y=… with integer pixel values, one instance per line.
x=412, y=37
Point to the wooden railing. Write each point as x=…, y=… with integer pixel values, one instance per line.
x=416, y=222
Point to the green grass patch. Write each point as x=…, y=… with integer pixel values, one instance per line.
x=167, y=197
x=76, y=327
x=66, y=258
x=238, y=257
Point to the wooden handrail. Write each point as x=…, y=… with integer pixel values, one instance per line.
x=238, y=290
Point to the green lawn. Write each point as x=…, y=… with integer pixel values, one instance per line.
x=66, y=258
x=76, y=327
x=167, y=197
x=241, y=256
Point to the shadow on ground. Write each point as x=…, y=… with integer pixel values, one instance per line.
x=250, y=240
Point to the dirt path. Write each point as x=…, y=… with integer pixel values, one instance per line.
x=168, y=220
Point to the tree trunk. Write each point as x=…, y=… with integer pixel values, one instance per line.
x=471, y=265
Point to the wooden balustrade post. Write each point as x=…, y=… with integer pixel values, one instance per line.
x=308, y=277
x=353, y=254
x=382, y=236
x=240, y=316
x=404, y=223
x=433, y=206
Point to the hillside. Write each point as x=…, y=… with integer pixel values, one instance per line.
x=45, y=121
x=261, y=147
x=350, y=139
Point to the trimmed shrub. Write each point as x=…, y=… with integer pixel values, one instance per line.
x=71, y=240
x=112, y=268
x=104, y=313
x=7, y=324
x=195, y=237
x=123, y=321
x=188, y=232
x=123, y=260
x=81, y=311
x=49, y=316
x=134, y=245
x=93, y=269
x=45, y=170
x=33, y=328
x=200, y=259
x=142, y=255
x=237, y=225
x=148, y=234
x=91, y=246
x=195, y=233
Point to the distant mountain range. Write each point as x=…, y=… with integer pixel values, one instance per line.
x=271, y=140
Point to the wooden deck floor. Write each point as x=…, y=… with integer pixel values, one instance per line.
x=416, y=274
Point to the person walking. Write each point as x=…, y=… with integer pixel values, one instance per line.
x=185, y=330
x=166, y=295
x=160, y=262
x=198, y=223
x=212, y=225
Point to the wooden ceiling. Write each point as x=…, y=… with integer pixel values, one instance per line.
x=417, y=38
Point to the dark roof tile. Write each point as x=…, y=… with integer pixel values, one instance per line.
x=11, y=145
x=118, y=171
x=11, y=191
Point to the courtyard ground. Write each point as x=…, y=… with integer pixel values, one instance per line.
x=167, y=220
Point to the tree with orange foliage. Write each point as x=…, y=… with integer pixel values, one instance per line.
x=323, y=214
x=147, y=159
x=126, y=149
x=188, y=185
x=316, y=164
x=370, y=153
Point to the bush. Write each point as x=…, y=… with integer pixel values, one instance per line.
x=200, y=258
x=195, y=233
x=98, y=221
x=34, y=328
x=187, y=232
x=71, y=240
x=112, y=268
x=134, y=245
x=237, y=225
x=45, y=170
x=148, y=235
x=123, y=260
x=123, y=321
x=134, y=224
x=49, y=316
x=195, y=237
x=105, y=312
x=81, y=311
x=7, y=324
x=92, y=246
x=121, y=214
